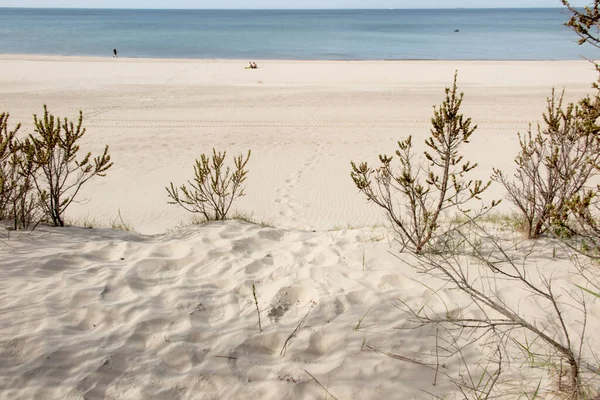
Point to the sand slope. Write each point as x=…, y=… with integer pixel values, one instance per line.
x=103, y=314
x=100, y=314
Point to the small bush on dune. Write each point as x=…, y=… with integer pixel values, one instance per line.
x=57, y=172
x=215, y=186
x=27, y=210
x=552, y=335
x=426, y=193
x=7, y=168
x=18, y=202
x=554, y=165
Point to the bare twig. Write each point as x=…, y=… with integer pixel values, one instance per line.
x=357, y=327
x=295, y=330
x=402, y=358
x=319, y=383
x=257, y=309
x=227, y=357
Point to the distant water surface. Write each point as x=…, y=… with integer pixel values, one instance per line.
x=484, y=34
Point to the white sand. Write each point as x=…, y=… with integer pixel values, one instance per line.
x=303, y=121
x=100, y=314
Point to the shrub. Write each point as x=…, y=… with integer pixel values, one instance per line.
x=552, y=335
x=555, y=164
x=8, y=146
x=585, y=22
x=18, y=202
x=214, y=188
x=443, y=185
x=57, y=173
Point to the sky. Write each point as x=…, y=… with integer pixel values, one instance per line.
x=287, y=4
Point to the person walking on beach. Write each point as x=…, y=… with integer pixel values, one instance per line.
x=115, y=53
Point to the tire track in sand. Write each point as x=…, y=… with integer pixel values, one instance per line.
x=496, y=125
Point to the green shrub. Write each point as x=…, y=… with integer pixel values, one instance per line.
x=19, y=204
x=8, y=170
x=57, y=172
x=425, y=193
x=214, y=188
x=554, y=165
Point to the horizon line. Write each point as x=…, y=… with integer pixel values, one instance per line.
x=282, y=9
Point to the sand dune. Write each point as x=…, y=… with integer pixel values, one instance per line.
x=99, y=314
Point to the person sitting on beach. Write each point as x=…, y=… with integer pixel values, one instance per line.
x=252, y=65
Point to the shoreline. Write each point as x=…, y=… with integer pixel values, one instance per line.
x=90, y=58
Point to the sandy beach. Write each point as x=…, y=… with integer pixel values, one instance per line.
x=167, y=311
x=304, y=122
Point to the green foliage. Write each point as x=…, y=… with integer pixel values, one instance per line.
x=357, y=327
x=92, y=222
x=585, y=222
x=555, y=165
x=584, y=207
x=585, y=22
x=214, y=188
x=597, y=295
x=249, y=218
x=57, y=172
x=18, y=202
x=443, y=185
x=118, y=223
x=7, y=170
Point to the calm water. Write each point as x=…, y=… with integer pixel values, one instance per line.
x=500, y=34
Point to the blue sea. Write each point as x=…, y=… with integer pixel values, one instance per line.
x=484, y=34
